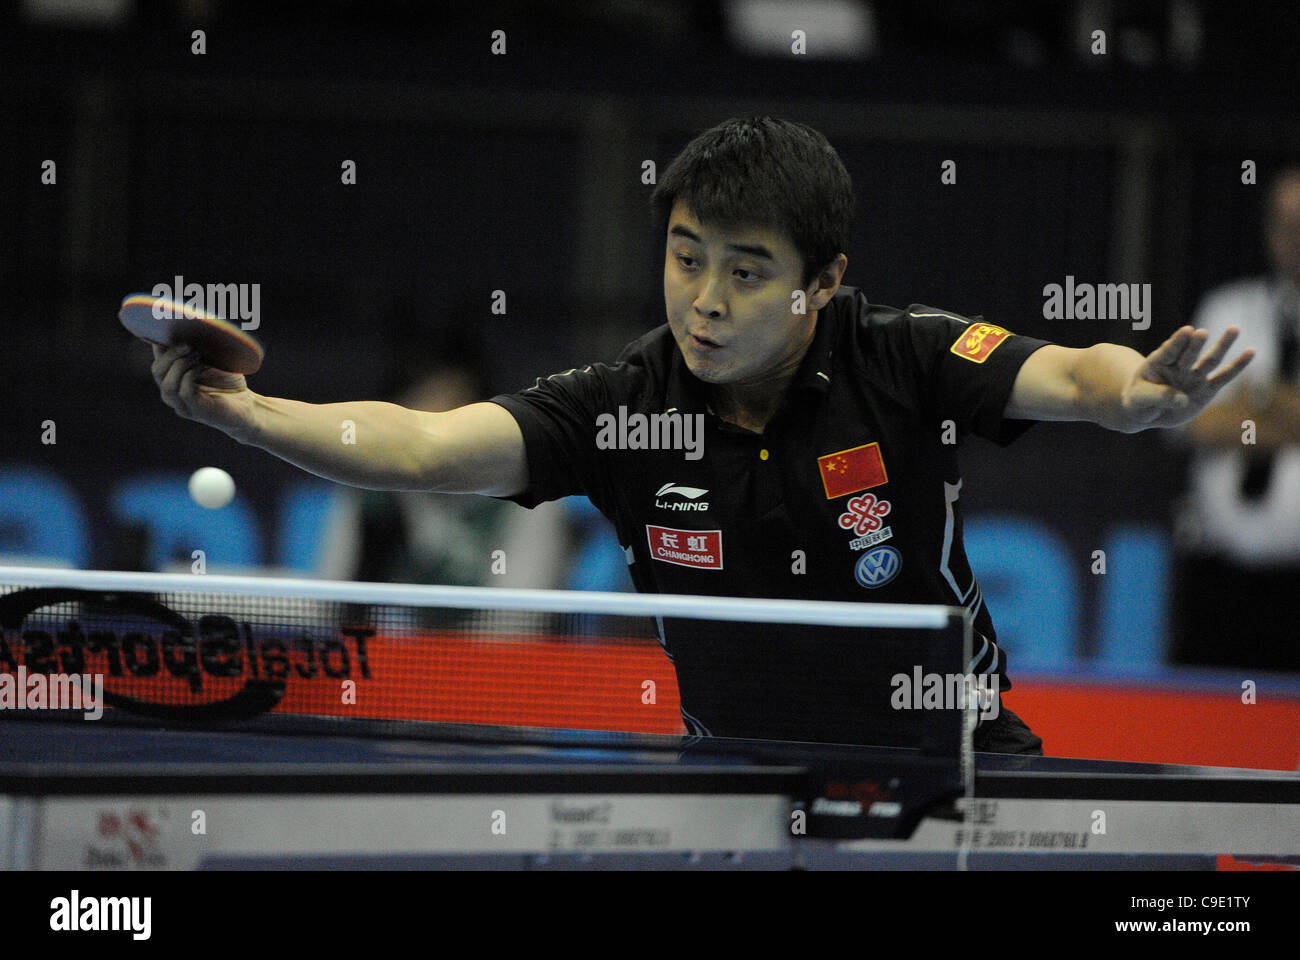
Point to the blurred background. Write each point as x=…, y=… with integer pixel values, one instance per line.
x=133, y=155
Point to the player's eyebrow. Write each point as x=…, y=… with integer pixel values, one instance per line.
x=753, y=249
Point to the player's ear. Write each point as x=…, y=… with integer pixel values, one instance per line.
x=827, y=282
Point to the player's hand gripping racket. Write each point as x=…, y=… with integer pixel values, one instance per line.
x=199, y=361
x=218, y=343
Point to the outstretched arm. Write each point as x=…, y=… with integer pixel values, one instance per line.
x=476, y=448
x=1118, y=388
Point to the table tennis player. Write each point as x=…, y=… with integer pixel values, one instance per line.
x=813, y=452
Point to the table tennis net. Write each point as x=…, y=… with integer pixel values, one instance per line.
x=214, y=651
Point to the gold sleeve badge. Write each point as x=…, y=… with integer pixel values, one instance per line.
x=979, y=340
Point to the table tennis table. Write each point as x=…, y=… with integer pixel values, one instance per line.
x=85, y=795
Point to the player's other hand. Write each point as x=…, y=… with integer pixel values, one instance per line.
x=1172, y=386
x=200, y=392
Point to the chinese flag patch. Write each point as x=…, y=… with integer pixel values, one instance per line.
x=979, y=340
x=859, y=468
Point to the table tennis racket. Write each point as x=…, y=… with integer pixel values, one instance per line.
x=218, y=343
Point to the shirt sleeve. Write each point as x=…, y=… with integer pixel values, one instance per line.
x=557, y=416
x=968, y=367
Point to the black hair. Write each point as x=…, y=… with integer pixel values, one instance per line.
x=766, y=171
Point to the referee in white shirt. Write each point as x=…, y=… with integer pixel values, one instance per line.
x=1238, y=568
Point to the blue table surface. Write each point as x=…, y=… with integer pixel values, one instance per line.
x=32, y=743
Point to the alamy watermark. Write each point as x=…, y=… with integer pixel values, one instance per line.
x=1098, y=301
x=946, y=691
x=655, y=431
x=240, y=302
x=55, y=691
x=75, y=913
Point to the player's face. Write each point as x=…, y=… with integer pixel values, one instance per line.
x=727, y=291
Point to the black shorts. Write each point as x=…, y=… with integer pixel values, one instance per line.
x=1007, y=733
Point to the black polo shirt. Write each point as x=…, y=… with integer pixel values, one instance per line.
x=852, y=492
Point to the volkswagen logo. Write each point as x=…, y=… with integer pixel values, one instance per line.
x=877, y=567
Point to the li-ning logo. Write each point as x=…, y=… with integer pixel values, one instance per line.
x=692, y=495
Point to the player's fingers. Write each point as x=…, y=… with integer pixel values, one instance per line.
x=172, y=368
x=164, y=357
x=1168, y=352
x=161, y=361
x=1222, y=378
x=1217, y=352
x=1195, y=343
x=1155, y=397
x=188, y=389
x=170, y=384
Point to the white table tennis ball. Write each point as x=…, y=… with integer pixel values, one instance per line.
x=212, y=487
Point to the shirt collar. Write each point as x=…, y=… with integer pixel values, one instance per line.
x=685, y=392
x=815, y=371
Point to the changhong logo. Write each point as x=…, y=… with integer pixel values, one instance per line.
x=76, y=913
